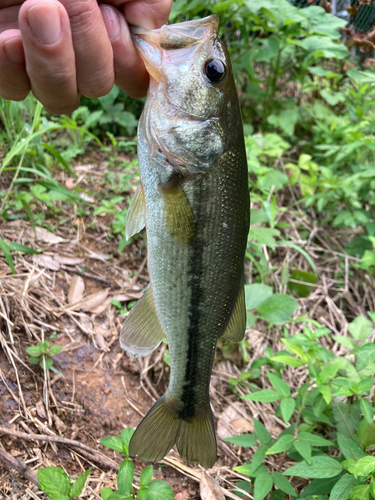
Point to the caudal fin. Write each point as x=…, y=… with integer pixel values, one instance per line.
x=162, y=428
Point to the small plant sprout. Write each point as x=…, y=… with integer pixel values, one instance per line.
x=41, y=354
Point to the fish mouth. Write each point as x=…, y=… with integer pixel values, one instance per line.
x=151, y=43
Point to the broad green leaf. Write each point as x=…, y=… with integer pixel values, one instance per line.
x=261, y=432
x=281, y=387
x=287, y=407
x=142, y=494
x=55, y=349
x=126, y=435
x=365, y=466
x=262, y=486
x=34, y=350
x=287, y=360
x=282, y=483
x=307, y=281
x=343, y=487
x=367, y=410
x=54, y=481
x=322, y=46
x=361, y=492
x=46, y=363
x=349, y=448
x=344, y=341
x=265, y=396
x=366, y=433
x=264, y=235
x=278, y=308
x=320, y=487
x=366, y=354
x=125, y=477
x=325, y=391
x=105, y=493
x=314, y=440
x=245, y=440
x=329, y=372
x=304, y=449
x=360, y=328
x=146, y=475
x=320, y=467
x=269, y=49
x=347, y=417
x=22, y=248
x=79, y=484
x=255, y=294
x=160, y=490
x=284, y=443
x=113, y=442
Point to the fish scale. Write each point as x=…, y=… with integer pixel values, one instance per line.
x=194, y=202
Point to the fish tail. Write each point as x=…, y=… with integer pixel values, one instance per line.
x=163, y=427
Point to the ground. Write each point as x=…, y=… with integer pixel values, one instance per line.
x=63, y=294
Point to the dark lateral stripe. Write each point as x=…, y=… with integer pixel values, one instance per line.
x=195, y=271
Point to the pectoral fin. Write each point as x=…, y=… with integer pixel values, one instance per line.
x=177, y=212
x=142, y=331
x=235, y=330
x=136, y=216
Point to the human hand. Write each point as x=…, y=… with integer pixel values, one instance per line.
x=60, y=49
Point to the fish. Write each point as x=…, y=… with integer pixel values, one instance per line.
x=193, y=198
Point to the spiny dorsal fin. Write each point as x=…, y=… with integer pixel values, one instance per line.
x=177, y=212
x=142, y=332
x=235, y=330
x=136, y=216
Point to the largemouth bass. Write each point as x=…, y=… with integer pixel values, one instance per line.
x=194, y=200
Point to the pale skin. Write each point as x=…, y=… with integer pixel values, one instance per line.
x=60, y=49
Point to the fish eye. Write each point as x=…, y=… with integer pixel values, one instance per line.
x=215, y=70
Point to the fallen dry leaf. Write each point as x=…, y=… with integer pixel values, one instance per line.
x=69, y=261
x=101, y=342
x=210, y=488
x=43, y=235
x=102, y=331
x=230, y=414
x=76, y=290
x=241, y=425
x=103, y=307
x=183, y=495
x=40, y=409
x=128, y=295
x=60, y=426
x=46, y=261
x=94, y=300
x=70, y=183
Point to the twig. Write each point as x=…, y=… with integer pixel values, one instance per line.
x=21, y=467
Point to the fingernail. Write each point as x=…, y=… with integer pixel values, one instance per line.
x=45, y=23
x=14, y=50
x=111, y=21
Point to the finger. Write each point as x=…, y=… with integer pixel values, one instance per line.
x=93, y=51
x=14, y=82
x=148, y=14
x=130, y=73
x=49, y=54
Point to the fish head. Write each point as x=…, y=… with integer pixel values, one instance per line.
x=191, y=97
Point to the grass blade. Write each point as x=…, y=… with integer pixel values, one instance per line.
x=6, y=250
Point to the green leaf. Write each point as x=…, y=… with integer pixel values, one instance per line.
x=304, y=288
x=79, y=484
x=265, y=396
x=322, y=46
x=264, y=235
x=347, y=417
x=34, y=361
x=142, y=494
x=22, y=248
x=113, y=442
x=325, y=391
x=258, y=458
x=304, y=449
x=255, y=294
x=281, y=387
x=105, y=493
x=365, y=355
x=367, y=410
x=344, y=341
x=46, y=363
x=361, y=492
x=244, y=440
x=365, y=466
x=366, y=433
x=278, y=309
x=329, y=372
x=287, y=360
x=262, y=486
x=125, y=477
x=261, y=432
x=126, y=435
x=160, y=490
x=287, y=407
x=55, y=349
x=34, y=351
x=360, y=328
x=284, y=443
x=343, y=487
x=8, y=257
x=320, y=467
x=54, y=481
x=146, y=475
x=319, y=487
x=282, y=483
x=314, y=440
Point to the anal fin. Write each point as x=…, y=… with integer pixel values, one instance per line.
x=178, y=215
x=142, y=331
x=136, y=215
x=235, y=330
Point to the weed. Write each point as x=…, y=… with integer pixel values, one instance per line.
x=41, y=354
